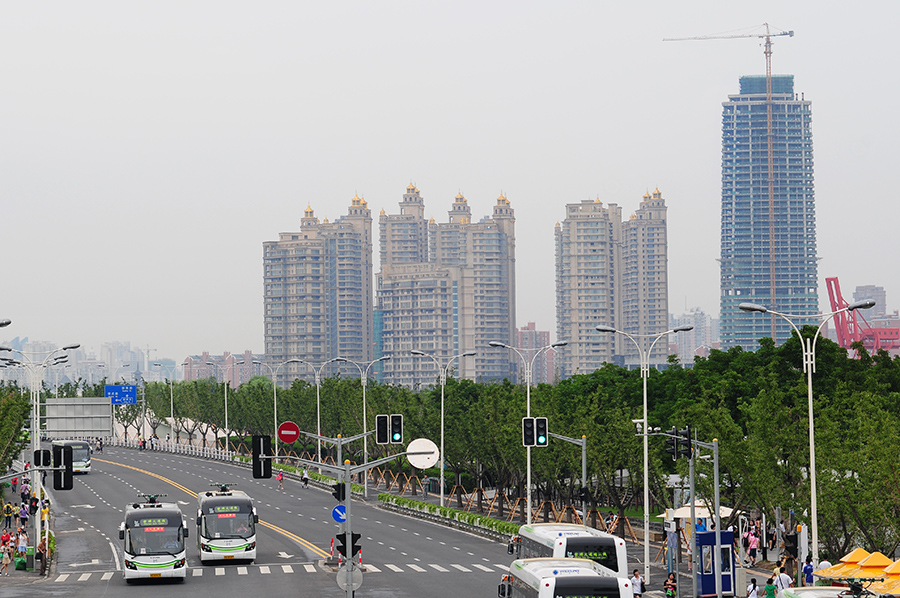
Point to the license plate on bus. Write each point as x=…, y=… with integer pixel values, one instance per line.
x=229, y=556
x=156, y=575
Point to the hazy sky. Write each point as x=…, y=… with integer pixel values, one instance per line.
x=147, y=149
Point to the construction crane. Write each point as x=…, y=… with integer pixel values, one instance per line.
x=768, y=35
x=852, y=327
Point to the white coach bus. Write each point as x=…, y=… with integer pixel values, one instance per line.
x=561, y=578
x=153, y=534
x=226, y=525
x=571, y=541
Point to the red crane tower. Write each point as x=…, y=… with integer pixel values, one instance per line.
x=852, y=326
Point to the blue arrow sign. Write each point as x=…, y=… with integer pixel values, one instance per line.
x=339, y=513
x=121, y=394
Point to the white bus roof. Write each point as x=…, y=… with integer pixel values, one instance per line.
x=556, y=530
x=534, y=570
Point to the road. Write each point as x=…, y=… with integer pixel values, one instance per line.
x=404, y=557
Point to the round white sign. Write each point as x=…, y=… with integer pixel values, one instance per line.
x=422, y=445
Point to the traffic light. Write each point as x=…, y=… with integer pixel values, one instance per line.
x=381, y=429
x=342, y=544
x=541, y=436
x=584, y=494
x=686, y=446
x=339, y=491
x=790, y=544
x=63, y=474
x=262, y=447
x=527, y=431
x=672, y=443
x=33, y=505
x=42, y=458
x=396, y=428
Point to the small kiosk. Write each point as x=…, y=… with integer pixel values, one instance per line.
x=706, y=572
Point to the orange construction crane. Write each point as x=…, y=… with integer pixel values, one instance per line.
x=768, y=35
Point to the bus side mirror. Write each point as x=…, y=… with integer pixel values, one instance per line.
x=121, y=534
x=255, y=518
x=198, y=520
x=509, y=548
x=502, y=590
x=187, y=531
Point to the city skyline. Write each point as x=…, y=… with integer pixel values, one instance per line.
x=147, y=162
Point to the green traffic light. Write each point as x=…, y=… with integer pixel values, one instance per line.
x=396, y=436
x=542, y=439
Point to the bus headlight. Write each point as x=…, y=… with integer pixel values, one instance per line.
x=205, y=547
x=250, y=546
x=130, y=565
x=180, y=564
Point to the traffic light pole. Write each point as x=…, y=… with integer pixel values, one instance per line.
x=584, y=483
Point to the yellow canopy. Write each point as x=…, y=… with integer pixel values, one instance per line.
x=871, y=566
x=849, y=562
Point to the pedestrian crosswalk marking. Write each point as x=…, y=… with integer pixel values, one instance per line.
x=309, y=568
x=220, y=570
x=394, y=568
x=502, y=567
x=106, y=576
x=242, y=570
x=372, y=569
x=416, y=568
x=84, y=577
x=264, y=570
x=483, y=568
x=461, y=568
x=287, y=568
x=196, y=572
x=62, y=577
x=438, y=568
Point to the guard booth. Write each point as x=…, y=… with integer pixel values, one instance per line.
x=706, y=572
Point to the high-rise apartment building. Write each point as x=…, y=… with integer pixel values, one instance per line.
x=318, y=292
x=615, y=273
x=766, y=245
x=531, y=339
x=445, y=288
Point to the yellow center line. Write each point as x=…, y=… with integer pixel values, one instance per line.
x=271, y=526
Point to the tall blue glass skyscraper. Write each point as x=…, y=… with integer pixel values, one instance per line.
x=766, y=244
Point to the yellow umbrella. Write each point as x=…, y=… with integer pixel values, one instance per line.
x=848, y=562
x=871, y=566
x=891, y=584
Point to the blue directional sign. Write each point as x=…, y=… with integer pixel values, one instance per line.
x=339, y=513
x=121, y=394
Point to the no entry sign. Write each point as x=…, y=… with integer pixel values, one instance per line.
x=288, y=432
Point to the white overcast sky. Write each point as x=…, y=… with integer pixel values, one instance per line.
x=148, y=149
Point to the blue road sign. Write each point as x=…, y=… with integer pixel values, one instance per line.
x=339, y=513
x=121, y=394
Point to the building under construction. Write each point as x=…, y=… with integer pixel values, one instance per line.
x=768, y=225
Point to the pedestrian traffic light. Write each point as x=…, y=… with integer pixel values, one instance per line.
x=342, y=544
x=396, y=428
x=262, y=448
x=685, y=444
x=527, y=431
x=672, y=443
x=541, y=436
x=790, y=544
x=381, y=429
x=42, y=458
x=33, y=505
x=63, y=472
x=339, y=491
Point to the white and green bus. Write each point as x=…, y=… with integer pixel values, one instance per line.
x=571, y=541
x=153, y=535
x=81, y=454
x=226, y=525
x=562, y=578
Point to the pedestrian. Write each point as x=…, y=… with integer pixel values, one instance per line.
x=753, y=542
x=783, y=581
x=753, y=589
x=305, y=478
x=770, y=588
x=7, y=515
x=140, y=443
x=41, y=555
x=670, y=586
x=25, y=491
x=637, y=583
x=425, y=482
x=23, y=515
x=22, y=543
x=280, y=477
x=45, y=513
x=5, y=557
x=701, y=525
x=807, y=572
x=15, y=482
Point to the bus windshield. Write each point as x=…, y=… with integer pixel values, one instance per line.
x=81, y=453
x=154, y=536
x=598, y=551
x=228, y=524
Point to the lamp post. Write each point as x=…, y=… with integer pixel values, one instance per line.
x=171, y=387
x=364, y=378
x=318, y=373
x=529, y=367
x=808, y=346
x=225, y=380
x=645, y=374
x=274, y=373
x=443, y=379
x=35, y=370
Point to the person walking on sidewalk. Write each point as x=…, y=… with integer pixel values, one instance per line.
x=41, y=555
x=305, y=478
x=637, y=583
x=5, y=557
x=425, y=483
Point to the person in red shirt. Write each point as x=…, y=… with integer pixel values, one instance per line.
x=4, y=537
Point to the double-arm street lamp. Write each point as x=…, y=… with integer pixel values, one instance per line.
x=443, y=378
x=808, y=346
x=645, y=373
x=318, y=373
x=225, y=380
x=35, y=371
x=171, y=373
x=529, y=369
x=364, y=378
x=274, y=373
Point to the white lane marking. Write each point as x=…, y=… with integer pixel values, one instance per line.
x=394, y=568
x=196, y=572
x=62, y=577
x=242, y=570
x=483, y=568
x=115, y=555
x=106, y=576
x=502, y=567
x=415, y=568
x=309, y=568
x=84, y=577
x=287, y=568
x=372, y=569
x=438, y=568
x=263, y=570
x=220, y=570
x=461, y=568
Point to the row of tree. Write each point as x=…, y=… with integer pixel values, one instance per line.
x=754, y=403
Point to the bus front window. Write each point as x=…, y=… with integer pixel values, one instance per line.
x=154, y=540
x=590, y=548
x=81, y=454
x=228, y=525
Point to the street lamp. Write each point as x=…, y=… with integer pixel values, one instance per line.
x=274, y=373
x=35, y=372
x=645, y=373
x=808, y=346
x=364, y=378
x=529, y=367
x=443, y=379
x=171, y=388
x=225, y=380
x=5, y=323
x=318, y=373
